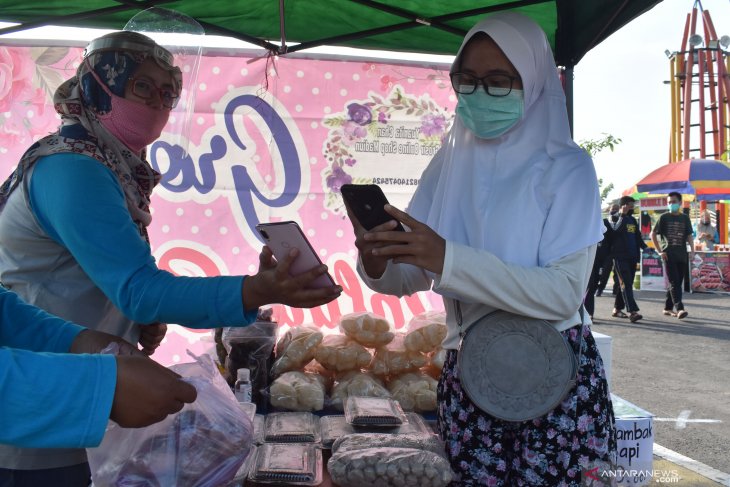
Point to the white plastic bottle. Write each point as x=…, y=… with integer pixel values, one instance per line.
x=242, y=388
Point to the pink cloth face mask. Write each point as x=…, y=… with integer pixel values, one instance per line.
x=135, y=124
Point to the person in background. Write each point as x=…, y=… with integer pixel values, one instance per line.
x=626, y=247
x=65, y=396
x=671, y=235
x=645, y=224
x=706, y=231
x=73, y=228
x=509, y=147
x=602, y=264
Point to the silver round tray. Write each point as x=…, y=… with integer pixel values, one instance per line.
x=514, y=367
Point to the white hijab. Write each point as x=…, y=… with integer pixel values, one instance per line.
x=530, y=196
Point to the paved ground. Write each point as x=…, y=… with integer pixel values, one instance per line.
x=679, y=370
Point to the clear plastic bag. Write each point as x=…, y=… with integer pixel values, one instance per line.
x=339, y=353
x=361, y=441
x=336, y=426
x=389, y=466
x=425, y=332
x=251, y=347
x=295, y=349
x=367, y=329
x=394, y=358
x=414, y=391
x=259, y=429
x=435, y=362
x=356, y=383
x=203, y=445
x=298, y=391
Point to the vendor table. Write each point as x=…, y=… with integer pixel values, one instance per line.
x=710, y=272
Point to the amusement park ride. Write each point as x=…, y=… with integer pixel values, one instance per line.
x=699, y=90
x=700, y=108
x=699, y=156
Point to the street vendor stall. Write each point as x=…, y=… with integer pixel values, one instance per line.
x=710, y=272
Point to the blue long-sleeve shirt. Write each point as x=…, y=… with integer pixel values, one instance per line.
x=50, y=399
x=80, y=204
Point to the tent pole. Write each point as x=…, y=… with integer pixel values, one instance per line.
x=282, y=28
x=568, y=76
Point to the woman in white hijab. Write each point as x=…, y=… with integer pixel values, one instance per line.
x=509, y=161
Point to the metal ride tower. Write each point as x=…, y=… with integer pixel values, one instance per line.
x=700, y=92
x=700, y=87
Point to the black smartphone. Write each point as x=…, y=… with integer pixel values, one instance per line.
x=281, y=237
x=366, y=201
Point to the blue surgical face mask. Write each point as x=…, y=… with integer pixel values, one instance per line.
x=490, y=116
x=673, y=207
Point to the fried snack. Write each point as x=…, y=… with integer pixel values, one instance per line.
x=425, y=332
x=356, y=383
x=339, y=353
x=298, y=391
x=295, y=349
x=367, y=329
x=435, y=363
x=395, y=359
x=415, y=391
x=390, y=466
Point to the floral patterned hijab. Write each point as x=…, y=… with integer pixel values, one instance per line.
x=81, y=133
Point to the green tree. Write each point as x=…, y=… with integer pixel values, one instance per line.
x=593, y=147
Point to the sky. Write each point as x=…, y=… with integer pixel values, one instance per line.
x=619, y=90
x=619, y=86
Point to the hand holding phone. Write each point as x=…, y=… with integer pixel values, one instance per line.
x=367, y=202
x=421, y=246
x=281, y=237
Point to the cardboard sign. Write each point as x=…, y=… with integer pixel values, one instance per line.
x=635, y=442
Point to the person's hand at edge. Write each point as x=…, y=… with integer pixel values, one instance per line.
x=273, y=284
x=421, y=247
x=374, y=265
x=150, y=337
x=146, y=392
x=92, y=341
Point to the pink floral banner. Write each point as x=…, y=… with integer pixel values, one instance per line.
x=270, y=141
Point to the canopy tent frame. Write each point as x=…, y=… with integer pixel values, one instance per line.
x=578, y=28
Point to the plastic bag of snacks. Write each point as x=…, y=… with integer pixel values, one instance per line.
x=361, y=441
x=390, y=466
x=415, y=391
x=368, y=459
x=395, y=359
x=202, y=445
x=336, y=426
x=367, y=329
x=295, y=349
x=435, y=363
x=339, y=353
x=251, y=347
x=356, y=383
x=298, y=391
x=426, y=331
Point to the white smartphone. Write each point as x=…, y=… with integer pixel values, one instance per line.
x=281, y=237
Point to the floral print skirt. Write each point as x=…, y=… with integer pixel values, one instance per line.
x=557, y=449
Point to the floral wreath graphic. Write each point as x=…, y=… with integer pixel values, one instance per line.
x=28, y=79
x=366, y=119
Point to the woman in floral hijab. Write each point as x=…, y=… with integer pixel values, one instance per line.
x=73, y=228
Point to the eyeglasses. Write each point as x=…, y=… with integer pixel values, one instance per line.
x=494, y=84
x=146, y=89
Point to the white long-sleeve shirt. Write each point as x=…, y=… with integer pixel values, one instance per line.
x=483, y=283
